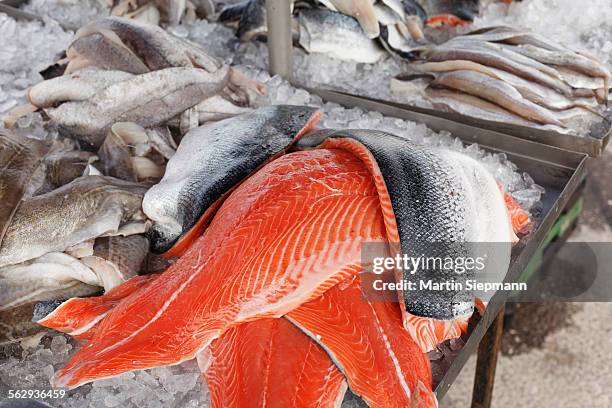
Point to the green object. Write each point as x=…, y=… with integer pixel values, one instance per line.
x=560, y=227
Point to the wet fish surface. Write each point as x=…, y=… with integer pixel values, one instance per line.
x=211, y=160
x=322, y=204
x=149, y=100
x=84, y=209
x=336, y=34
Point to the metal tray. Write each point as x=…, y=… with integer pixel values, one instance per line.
x=560, y=172
x=593, y=144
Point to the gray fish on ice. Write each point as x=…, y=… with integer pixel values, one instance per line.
x=148, y=99
x=498, y=92
x=87, y=208
x=19, y=158
x=210, y=161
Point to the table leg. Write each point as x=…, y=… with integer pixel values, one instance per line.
x=487, y=362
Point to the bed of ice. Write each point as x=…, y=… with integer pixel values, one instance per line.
x=28, y=47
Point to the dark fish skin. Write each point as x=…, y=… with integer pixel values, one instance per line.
x=127, y=253
x=213, y=159
x=19, y=158
x=115, y=158
x=253, y=20
x=233, y=12
x=429, y=207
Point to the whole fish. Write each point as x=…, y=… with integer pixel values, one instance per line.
x=78, y=86
x=149, y=100
x=464, y=206
x=210, y=161
x=570, y=60
x=492, y=58
x=152, y=45
x=19, y=158
x=498, y=92
x=336, y=34
x=88, y=207
x=469, y=105
x=535, y=92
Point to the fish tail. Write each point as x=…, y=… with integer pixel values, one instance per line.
x=80, y=317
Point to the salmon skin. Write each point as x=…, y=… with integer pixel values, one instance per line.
x=436, y=203
x=367, y=340
x=270, y=363
x=283, y=237
x=210, y=161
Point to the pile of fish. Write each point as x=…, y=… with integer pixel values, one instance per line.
x=268, y=217
x=71, y=221
x=506, y=75
x=261, y=218
x=368, y=29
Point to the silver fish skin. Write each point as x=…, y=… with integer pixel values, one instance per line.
x=211, y=160
x=325, y=31
x=88, y=207
x=445, y=205
x=77, y=86
x=494, y=59
x=148, y=100
x=19, y=159
x=498, y=92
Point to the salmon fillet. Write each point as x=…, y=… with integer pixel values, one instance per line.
x=270, y=363
x=368, y=342
x=282, y=238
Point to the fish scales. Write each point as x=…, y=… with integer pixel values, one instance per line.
x=211, y=160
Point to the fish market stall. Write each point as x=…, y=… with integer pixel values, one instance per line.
x=537, y=87
x=175, y=220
